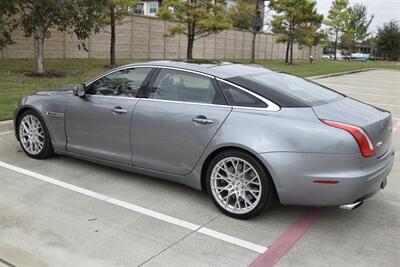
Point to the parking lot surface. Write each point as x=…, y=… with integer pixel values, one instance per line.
x=67, y=212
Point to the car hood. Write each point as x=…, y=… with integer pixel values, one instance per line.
x=375, y=121
x=67, y=89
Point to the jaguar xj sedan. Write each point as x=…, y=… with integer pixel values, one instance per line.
x=245, y=134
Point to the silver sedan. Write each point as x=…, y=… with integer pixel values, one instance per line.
x=245, y=134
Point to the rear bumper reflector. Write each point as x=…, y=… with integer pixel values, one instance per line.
x=325, y=182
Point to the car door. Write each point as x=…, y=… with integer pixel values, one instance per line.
x=175, y=120
x=98, y=125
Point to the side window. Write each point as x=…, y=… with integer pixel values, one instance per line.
x=184, y=86
x=125, y=82
x=237, y=97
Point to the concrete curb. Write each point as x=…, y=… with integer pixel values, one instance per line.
x=338, y=74
x=6, y=126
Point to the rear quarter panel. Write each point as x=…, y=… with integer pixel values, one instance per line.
x=287, y=130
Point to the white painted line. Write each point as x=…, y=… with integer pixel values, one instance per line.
x=383, y=104
x=232, y=240
x=355, y=93
x=138, y=209
x=5, y=133
x=154, y=214
x=54, y=181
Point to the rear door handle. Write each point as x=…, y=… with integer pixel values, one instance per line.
x=119, y=110
x=202, y=120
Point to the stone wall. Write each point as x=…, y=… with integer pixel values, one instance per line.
x=140, y=37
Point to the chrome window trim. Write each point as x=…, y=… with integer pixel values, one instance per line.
x=271, y=106
x=146, y=66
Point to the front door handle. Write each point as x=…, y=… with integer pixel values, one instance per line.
x=202, y=120
x=119, y=110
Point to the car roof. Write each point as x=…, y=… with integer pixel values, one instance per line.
x=222, y=70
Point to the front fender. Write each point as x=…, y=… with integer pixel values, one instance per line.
x=51, y=108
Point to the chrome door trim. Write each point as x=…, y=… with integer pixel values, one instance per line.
x=184, y=102
x=114, y=96
x=55, y=114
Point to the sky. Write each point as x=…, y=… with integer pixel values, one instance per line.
x=383, y=10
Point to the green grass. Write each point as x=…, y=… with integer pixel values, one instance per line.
x=14, y=83
x=305, y=69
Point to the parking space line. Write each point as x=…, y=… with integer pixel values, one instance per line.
x=356, y=93
x=154, y=214
x=5, y=133
x=286, y=241
x=384, y=104
x=233, y=240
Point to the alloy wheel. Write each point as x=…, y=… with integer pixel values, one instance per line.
x=236, y=185
x=31, y=134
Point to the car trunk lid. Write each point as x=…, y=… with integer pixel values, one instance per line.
x=377, y=123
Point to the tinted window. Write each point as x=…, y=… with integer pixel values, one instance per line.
x=296, y=88
x=125, y=82
x=237, y=97
x=184, y=86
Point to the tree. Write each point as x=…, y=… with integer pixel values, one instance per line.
x=338, y=19
x=388, y=40
x=36, y=17
x=248, y=15
x=196, y=19
x=113, y=11
x=293, y=20
x=313, y=37
x=356, y=30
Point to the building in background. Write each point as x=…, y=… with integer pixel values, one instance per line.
x=150, y=7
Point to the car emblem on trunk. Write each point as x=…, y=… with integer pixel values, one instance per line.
x=378, y=144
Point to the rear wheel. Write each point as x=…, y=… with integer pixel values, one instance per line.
x=238, y=184
x=34, y=136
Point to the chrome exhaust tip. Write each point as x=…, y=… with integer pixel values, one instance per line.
x=351, y=206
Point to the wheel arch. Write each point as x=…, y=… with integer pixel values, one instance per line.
x=209, y=158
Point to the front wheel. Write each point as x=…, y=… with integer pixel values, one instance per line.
x=238, y=184
x=34, y=136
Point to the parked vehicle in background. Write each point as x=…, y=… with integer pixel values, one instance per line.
x=360, y=56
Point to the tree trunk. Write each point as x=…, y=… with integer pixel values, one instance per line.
x=287, y=51
x=253, y=48
x=39, y=55
x=112, y=45
x=335, y=44
x=291, y=51
x=189, y=54
x=189, y=51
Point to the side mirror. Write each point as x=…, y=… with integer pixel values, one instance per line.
x=79, y=90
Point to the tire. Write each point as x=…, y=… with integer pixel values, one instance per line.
x=32, y=129
x=226, y=189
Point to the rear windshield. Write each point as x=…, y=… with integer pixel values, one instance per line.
x=297, y=88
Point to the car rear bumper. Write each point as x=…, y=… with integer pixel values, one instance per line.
x=357, y=178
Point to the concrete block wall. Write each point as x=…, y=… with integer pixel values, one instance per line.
x=141, y=37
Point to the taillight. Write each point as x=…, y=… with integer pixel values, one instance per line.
x=362, y=138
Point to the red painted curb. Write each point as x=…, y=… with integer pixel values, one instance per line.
x=281, y=246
